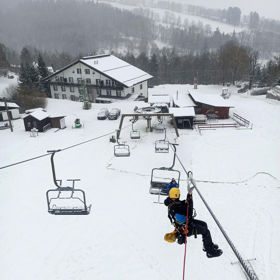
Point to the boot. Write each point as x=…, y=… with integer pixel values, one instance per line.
x=214, y=252
x=214, y=246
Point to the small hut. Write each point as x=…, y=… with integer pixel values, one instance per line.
x=37, y=119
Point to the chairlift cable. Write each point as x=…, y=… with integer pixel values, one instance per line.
x=249, y=271
x=64, y=149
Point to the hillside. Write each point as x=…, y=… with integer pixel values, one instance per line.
x=237, y=171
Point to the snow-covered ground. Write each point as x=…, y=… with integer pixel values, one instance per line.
x=5, y=83
x=160, y=15
x=122, y=238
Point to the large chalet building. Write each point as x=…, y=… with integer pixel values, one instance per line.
x=102, y=76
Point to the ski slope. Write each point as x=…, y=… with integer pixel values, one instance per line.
x=122, y=238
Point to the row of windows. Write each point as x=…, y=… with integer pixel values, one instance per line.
x=79, y=71
x=98, y=91
x=88, y=81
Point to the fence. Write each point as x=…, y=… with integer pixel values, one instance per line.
x=242, y=121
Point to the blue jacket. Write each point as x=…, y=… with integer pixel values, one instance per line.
x=171, y=185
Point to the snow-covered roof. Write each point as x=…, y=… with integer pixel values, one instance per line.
x=182, y=99
x=210, y=99
x=164, y=98
x=33, y=110
x=39, y=115
x=9, y=104
x=182, y=112
x=117, y=69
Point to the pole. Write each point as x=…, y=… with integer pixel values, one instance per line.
x=9, y=117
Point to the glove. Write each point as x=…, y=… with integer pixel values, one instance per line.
x=190, y=189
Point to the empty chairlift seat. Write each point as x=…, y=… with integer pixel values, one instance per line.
x=67, y=201
x=162, y=146
x=121, y=150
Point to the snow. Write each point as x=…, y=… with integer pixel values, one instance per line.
x=160, y=14
x=165, y=99
x=39, y=115
x=237, y=172
x=9, y=104
x=182, y=112
x=202, y=96
x=5, y=83
x=117, y=69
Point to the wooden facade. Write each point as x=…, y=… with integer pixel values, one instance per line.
x=31, y=122
x=57, y=122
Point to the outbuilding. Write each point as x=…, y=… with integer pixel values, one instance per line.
x=13, y=111
x=211, y=105
x=57, y=121
x=183, y=116
x=37, y=119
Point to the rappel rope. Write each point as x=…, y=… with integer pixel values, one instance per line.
x=249, y=271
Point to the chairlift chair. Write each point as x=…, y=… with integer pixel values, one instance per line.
x=162, y=146
x=66, y=200
x=134, y=134
x=121, y=150
x=161, y=177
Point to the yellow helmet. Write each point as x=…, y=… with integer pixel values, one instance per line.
x=174, y=193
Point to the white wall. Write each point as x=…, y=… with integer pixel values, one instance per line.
x=72, y=72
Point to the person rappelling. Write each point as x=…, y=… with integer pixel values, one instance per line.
x=180, y=213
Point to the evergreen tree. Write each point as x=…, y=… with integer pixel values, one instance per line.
x=25, y=56
x=3, y=58
x=42, y=68
x=154, y=69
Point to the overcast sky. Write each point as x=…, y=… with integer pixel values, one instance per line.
x=266, y=8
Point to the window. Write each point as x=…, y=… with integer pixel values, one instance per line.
x=132, y=90
x=64, y=96
x=108, y=92
x=72, y=89
x=29, y=124
x=63, y=88
x=141, y=86
x=56, y=96
x=97, y=82
x=55, y=87
x=87, y=71
x=79, y=71
x=72, y=97
x=65, y=80
x=88, y=81
x=80, y=90
x=61, y=79
x=119, y=93
x=71, y=80
x=108, y=82
x=113, y=83
x=98, y=91
x=79, y=80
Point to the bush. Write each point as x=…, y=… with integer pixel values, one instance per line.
x=27, y=97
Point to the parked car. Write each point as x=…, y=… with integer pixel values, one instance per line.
x=114, y=114
x=103, y=114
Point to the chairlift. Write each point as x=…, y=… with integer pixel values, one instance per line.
x=66, y=200
x=162, y=146
x=134, y=134
x=161, y=177
x=121, y=150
